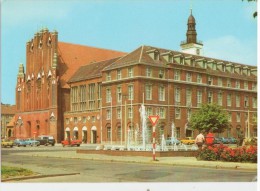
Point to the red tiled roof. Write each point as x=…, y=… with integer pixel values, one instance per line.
x=72, y=56
x=8, y=109
x=91, y=70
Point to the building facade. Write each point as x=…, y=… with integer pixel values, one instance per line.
x=42, y=92
x=7, y=114
x=105, y=104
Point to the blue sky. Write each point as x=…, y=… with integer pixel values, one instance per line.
x=226, y=28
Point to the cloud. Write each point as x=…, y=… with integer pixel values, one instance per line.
x=19, y=12
x=232, y=49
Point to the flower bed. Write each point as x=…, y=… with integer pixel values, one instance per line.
x=224, y=153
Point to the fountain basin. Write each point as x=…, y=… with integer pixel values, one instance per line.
x=188, y=153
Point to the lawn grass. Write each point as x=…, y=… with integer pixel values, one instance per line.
x=8, y=172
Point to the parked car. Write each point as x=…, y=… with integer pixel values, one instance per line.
x=224, y=140
x=217, y=140
x=72, y=142
x=46, y=140
x=188, y=140
x=232, y=140
x=7, y=143
x=20, y=142
x=32, y=142
x=172, y=141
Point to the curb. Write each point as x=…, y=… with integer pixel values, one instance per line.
x=215, y=166
x=37, y=176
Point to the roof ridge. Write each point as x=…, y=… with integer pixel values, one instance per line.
x=87, y=46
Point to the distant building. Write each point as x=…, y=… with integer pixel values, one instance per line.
x=7, y=114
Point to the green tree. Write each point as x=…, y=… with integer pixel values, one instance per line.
x=209, y=117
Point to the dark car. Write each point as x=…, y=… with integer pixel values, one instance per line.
x=46, y=140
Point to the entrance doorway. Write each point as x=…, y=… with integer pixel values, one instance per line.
x=9, y=134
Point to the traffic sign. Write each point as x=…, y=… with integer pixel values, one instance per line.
x=153, y=119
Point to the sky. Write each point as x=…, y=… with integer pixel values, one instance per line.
x=227, y=28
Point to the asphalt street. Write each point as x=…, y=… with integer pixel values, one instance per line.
x=91, y=171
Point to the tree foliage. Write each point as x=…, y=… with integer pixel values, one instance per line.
x=209, y=117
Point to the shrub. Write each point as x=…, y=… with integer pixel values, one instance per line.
x=224, y=153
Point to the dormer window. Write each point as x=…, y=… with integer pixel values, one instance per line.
x=156, y=55
x=170, y=58
x=108, y=76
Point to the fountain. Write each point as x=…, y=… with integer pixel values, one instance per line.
x=144, y=127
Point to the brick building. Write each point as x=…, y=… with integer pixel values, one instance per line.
x=7, y=114
x=42, y=92
x=106, y=96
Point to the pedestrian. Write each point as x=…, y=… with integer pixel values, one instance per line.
x=240, y=138
x=200, y=140
x=209, y=139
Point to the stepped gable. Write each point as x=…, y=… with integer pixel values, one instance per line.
x=90, y=71
x=72, y=56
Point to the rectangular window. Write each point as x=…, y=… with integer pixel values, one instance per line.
x=162, y=113
x=199, y=98
x=149, y=111
x=148, y=72
x=228, y=83
x=245, y=85
x=82, y=97
x=188, y=97
x=130, y=92
x=161, y=73
x=108, y=95
x=108, y=114
x=130, y=72
x=254, y=102
x=237, y=84
x=220, y=98
x=148, y=92
x=108, y=76
x=99, y=95
x=188, y=77
x=119, y=75
x=219, y=81
x=229, y=100
x=238, y=117
x=188, y=114
x=177, y=113
x=237, y=100
x=229, y=116
x=74, y=98
x=254, y=117
x=130, y=112
x=199, y=78
x=246, y=103
x=93, y=119
x=75, y=120
x=177, y=96
x=119, y=94
x=210, y=97
x=84, y=119
x=119, y=113
x=177, y=75
x=161, y=93
x=67, y=120
x=210, y=80
x=254, y=85
x=91, y=95
x=108, y=133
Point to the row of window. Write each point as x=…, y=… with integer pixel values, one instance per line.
x=177, y=77
x=84, y=119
